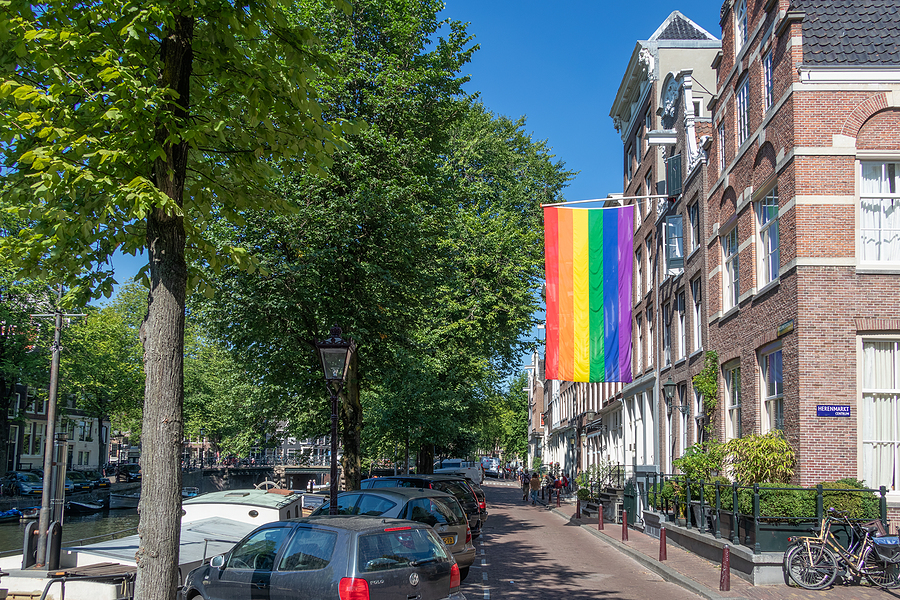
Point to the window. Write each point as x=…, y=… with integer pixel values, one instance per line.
x=773, y=391
x=695, y=294
x=682, y=331
x=740, y=25
x=696, y=108
x=14, y=405
x=649, y=279
x=743, y=123
x=721, y=144
x=879, y=212
x=684, y=416
x=40, y=430
x=767, y=213
x=258, y=551
x=629, y=163
x=699, y=417
x=309, y=550
x=639, y=275
x=733, y=392
x=673, y=176
x=638, y=146
x=648, y=121
x=694, y=218
x=650, y=340
x=674, y=243
x=732, y=287
x=879, y=419
x=637, y=214
x=651, y=191
x=639, y=352
x=768, y=82
x=667, y=334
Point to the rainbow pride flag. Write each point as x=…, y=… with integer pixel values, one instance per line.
x=588, y=256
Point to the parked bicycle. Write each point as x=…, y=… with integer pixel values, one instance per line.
x=814, y=562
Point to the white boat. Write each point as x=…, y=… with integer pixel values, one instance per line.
x=124, y=500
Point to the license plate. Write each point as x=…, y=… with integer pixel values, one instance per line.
x=448, y=540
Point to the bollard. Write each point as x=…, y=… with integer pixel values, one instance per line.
x=600, y=518
x=725, y=579
x=624, y=525
x=578, y=508
x=662, y=544
x=558, y=492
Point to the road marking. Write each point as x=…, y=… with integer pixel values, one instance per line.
x=483, y=563
x=484, y=576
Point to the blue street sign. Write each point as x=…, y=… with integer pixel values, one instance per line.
x=832, y=410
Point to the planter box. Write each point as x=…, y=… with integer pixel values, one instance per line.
x=652, y=523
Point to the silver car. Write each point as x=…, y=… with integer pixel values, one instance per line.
x=435, y=508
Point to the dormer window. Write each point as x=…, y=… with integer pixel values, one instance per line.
x=740, y=25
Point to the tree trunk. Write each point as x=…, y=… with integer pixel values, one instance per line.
x=351, y=418
x=162, y=335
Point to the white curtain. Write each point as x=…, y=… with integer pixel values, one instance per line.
x=880, y=212
x=879, y=414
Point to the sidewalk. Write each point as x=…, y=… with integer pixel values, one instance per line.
x=699, y=575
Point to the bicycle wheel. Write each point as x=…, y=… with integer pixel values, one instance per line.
x=812, y=567
x=883, y=574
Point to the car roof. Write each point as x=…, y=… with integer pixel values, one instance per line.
x=437, y=477
x=401, y=493
x=360, y=523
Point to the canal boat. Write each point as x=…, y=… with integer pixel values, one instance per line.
x=125, y=500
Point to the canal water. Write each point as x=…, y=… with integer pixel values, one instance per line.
x=77, y=529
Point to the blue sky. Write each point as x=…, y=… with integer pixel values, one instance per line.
x=559, y=64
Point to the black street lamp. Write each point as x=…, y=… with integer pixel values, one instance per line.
x=335, y=354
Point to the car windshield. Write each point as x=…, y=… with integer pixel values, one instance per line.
x=76, y=476
x=92, y=475
x=397, y=548
x=30, y=477
x=433, y=511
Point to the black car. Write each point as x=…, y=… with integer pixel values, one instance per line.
x=452, y=484
x=97, y=479
x=128, y=472
x=331, y=557
x=80, y=483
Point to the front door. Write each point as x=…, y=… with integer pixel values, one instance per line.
x=248, y=567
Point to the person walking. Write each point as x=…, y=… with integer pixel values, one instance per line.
x=523, y=480
x=535, y=488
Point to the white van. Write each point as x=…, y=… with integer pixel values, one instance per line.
x=451, y=466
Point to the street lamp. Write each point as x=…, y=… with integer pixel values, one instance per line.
x=669, y=393
x=202, y=438
x=335, y=354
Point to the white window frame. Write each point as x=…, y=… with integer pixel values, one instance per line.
x=740, y=25
x=731, y=274
x=639, y=275
x=629, y=167
x=648, y=281
x=769, y=240
x=651, y=191
x=771, y=371
x=879, y=213
x=697, y=298
x=742, y=111
x=667, y=334
x=682, y=330
x=639, y=146
x=651, y=342
x=721, y=144
x=684, y=417
x=694, y=218
x=879, y=411
x=768, y=82
x=639, y=353
x=637, y=215
x=699, y=411
x=648, y=121
x=733, y=428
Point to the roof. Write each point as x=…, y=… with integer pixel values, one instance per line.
x=259, y=498
x=358, y=522
x=679, y=27
x=399, y=492
x=850, y=32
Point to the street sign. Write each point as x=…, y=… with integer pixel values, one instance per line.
x=832, y=410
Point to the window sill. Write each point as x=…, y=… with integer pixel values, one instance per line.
x=878, y=270
x=696, y=352
x=730, y=312
x=680, y=361
x=769, y=286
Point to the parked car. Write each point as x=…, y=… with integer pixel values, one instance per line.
x=22, y=483
x=331, y=557
x=452, y=484
x=80, y=483
x=128, y=472
x=98, y=481
x=69, y=485
x=438, y=509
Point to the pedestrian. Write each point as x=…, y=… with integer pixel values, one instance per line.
x=535, y=486
x=524, y=481
x=565, y=483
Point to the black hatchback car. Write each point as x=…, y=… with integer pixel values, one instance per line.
x=451, y=484
x=331, y=557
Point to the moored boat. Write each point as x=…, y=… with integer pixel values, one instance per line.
x=124, y=500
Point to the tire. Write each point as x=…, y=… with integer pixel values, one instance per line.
x=883, y=574
x=463, y=573
x=812, y=568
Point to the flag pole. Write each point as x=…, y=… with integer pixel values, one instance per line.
x=646, y=197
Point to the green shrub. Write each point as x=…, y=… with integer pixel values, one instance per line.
x=849, y=496
x=660, y=493
x=791, y=503
x=871, y=502
x=709, y=492
x=700, y=461
x=759, y=458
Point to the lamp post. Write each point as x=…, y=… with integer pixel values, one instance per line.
x=202, y=440
x=669, y=393
x=335, y=354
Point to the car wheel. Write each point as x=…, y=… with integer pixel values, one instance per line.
x=477, y=531
x=463, y=573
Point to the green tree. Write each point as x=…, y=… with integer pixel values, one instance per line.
x=134, y=125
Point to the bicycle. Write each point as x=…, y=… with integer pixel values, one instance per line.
x=812, y=562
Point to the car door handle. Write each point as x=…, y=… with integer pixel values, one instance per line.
x=261, y=585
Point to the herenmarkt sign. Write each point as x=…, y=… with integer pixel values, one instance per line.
x=832, y=410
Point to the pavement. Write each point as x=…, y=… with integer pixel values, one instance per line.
x=699, y=575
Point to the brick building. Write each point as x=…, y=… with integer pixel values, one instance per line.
x=803, y=235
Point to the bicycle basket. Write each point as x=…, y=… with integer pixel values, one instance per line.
x=888, y=548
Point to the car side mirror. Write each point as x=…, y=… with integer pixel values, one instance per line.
x=218, y=561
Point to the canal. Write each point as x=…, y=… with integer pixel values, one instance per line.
x=77, y=529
